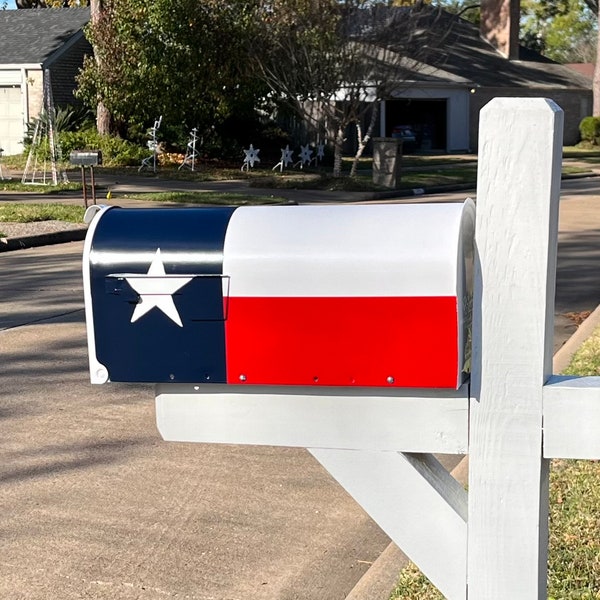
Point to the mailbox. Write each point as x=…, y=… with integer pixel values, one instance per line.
x=369, y=296
x=86, y=158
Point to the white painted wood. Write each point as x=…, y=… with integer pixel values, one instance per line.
x=572, y=417
x=516, y=231
x=353, y=418
x=416, y=502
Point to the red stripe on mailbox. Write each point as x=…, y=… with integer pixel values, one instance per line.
x=343, y=341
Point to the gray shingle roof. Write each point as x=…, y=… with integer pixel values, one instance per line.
x=448, y=50
x=30, y=36
x=463, y=55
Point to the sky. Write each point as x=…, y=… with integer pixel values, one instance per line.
x=10, y=4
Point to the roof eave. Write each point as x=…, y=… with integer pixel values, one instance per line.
x=49, y=60
x=19, y=66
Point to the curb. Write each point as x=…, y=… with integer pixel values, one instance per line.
x=44, y=239
x=379, y=581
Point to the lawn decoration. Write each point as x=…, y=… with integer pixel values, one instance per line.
x=152, y=144
x=320, y=153
x=305, y=156
x=44, y=149
x=190, y=153
x=251, y=157
x=286, y=158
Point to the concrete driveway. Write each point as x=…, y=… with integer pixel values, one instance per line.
x=95, y=505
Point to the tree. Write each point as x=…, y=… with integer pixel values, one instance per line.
x=104, y=121
x=563, y=30
x=332, y=62
x=571, y=11
x=593, y=6
x=182, y=59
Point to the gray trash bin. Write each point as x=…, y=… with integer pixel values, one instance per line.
x=387, y=158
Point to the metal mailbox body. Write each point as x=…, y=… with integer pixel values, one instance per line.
x=86, y=158
x=368, y=296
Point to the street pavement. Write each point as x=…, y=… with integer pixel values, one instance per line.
x=95, y=505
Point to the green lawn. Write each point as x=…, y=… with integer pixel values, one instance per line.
x=212, y=198
x=15, y=185
x=29, y=213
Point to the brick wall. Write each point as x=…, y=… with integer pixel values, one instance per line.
x=64, y=70
x=576, y=105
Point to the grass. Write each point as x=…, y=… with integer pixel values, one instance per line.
x=210, y=198
x=364, y=182
x=581, y=151
x=30, y=213
x=418, y=172
x=436, y=177
x=574, y=551
x=15, y=185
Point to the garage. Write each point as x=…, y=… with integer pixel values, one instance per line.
x=11, y=119
x=426, y=118
x=32, y=44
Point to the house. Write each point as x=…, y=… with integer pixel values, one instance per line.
x=35, y=43
x=442, y=97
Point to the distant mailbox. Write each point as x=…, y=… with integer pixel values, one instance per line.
x=288, y=295
x=86, y=159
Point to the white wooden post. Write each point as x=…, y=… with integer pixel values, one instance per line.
x=516, y=231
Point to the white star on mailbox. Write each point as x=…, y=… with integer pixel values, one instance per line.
x=156, y=289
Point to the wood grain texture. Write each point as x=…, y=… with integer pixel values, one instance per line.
x=572, y=417
x=516, y=232
x=350, y=418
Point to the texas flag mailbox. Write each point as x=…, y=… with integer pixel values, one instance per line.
x=369, y=296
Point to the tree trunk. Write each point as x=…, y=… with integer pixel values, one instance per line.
x=364, y=140
x=104, y=121
x=596, y=82
x=337, y=151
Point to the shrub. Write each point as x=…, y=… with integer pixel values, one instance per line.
x=589, y=129
x=66, y=118
x=115, y=151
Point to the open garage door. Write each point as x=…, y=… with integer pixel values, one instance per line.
x=426, y=118
x=11, y=119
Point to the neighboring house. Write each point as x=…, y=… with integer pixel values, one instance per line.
x=585, y=69
x=441, y=98
x=34, y=42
